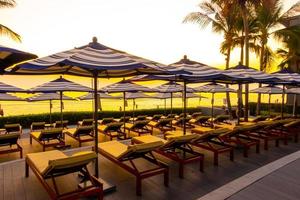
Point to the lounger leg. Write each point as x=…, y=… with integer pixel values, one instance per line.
x=266, y=145
x=138, y=186
x=296, y=138
x=166, y=177
x=202, y=164
x=257, y=147
x=30, y=140
x=277, y=143
x=286, y=138
x=26, y=170
x=180, y=170
x=246, y=148
x=216, y=158
x=232, y=155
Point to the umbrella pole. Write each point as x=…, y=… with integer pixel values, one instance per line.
x=50, y=111
x=212, y=109
x=165, y=106
x=124, y=109
x=133, y=108
x=239, y=103
x=269, y=105
x=282, y=102
x=96, y=121
x=294, y=105
x=61, y=108
x=171, y=103
x=184, y=108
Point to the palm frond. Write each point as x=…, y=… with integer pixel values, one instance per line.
x=7, y=3
x=5, y=31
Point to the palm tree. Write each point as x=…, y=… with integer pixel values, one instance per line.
x=269, y=16
x=223, y=18
x=4, y=30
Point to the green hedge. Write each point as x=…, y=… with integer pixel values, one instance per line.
x=275, y=108
x=74, y=117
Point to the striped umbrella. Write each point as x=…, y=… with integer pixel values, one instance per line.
x=9, y=88
x=213, y=88
x=101, y=95
x=92, y=60
x=136, y=95
x=8, y=97
x=126, y=86
x=10, y=56
x=295, y=91
x=49, y=97
x=270, y=89
x=60, y=85
x=172, y=87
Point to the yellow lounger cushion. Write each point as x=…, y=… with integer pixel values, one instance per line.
x=71, y=131
x=9, y=136
x=128, y=125
x=203, y=129
x=102, y=128
x=36, y=134
x=140, y=148
x=153, y=123
x=148, y=139
x=181, y=138
x=192, y=121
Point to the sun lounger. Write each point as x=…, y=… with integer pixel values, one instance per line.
x=238, y=137
x=200, y=120
x=81, y=134
x=86, y=122
x=58, y=124
x=258, y=118
x=48, y=137
x=179, y=122
x=124, y=119
x=210, y=141
x=221, y=119
x=13, y=128
x=37, y=126
x=52, y=164
x=139, y=127
x=141, y=118
x=112, y=130
x=124, y=156
x=163, y=125
x=176, y=148
x=10, y=140
x=107, y=120
x=156, y=117
x=171, y=116
x=196, y=114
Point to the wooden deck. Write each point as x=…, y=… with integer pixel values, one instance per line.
x=14, y=185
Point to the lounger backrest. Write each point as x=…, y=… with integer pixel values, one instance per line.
x=179, y=140
x=156, y=117
x=107, y=120
x=83, y=130
x=212, y=134
x=113, y=126
x=87, y=122
x=9, y=139
x=202, y=119
x=196, y=114
x=221, y=118
x=164, y=122
x=38, y=125
x=141, y=117
x=259, y=118
x=124, y=119
x=170, y=115
x=52, y=133
x=70, y=164
x=140, y=124
x=241, y=129
x=58, y=124
x=137, y=150
x=12, y=127
x=294, y=123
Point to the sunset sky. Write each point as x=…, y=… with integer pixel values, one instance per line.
x=149, y=28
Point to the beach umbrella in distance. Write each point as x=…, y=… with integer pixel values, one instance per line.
x=295, y=91
x=10, y=56
x=170, y=88
x=9, y=88
x=60, y=85
x=8, y=97
x=213, y=88
x=49, y=97
x=136, y=95
x=126, y=86
x=92, y=60
x=286, y=77
x=270, y=89
x=101, y=95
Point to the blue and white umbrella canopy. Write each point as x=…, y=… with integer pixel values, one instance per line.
x=270, y=89
x=93, y=58
x=287, y=77
x=60, y=85
x=102, y=95
x=137, y=95
x=126, y=86
x=171, y=87
x=10, y=56
x=9, y=88
x=48, y=96
x=213, y=88
x=9, y=97
x=175, y=95
x=244, y=74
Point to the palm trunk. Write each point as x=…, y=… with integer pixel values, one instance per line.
x=227, y=93
x=261, y=67
x=242, y=48
x=246, y=30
